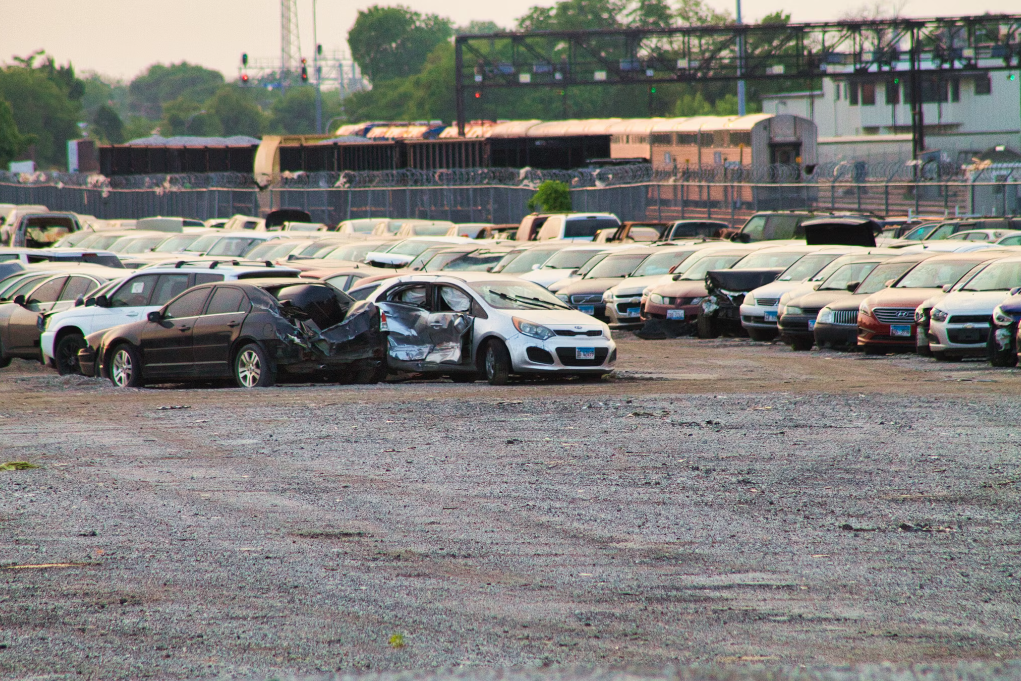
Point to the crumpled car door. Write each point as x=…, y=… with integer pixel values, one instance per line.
x=418, y=338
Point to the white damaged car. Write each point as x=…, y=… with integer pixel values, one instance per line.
x=478, y=324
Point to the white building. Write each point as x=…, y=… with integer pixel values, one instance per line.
x=868, y=117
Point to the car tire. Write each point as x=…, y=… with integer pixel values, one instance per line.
x=252, y=368
x=707, y=326
x=922, y=348
x=762, y=335
x=1002, y=358
x=5, y=361
x=590, y=378
x=496, y=362
x=65, y=354
x=941, y=356
x=126, y=367
x=801, y=344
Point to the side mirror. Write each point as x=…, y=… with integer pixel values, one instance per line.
x=490, y=268
x=154, y=316
x=676, y=277
x=1016, y=290
x=851, y=286
x=815, y=287
x=889, y=283
x=947, y=287
x=19, y=300
x=102, y=300
x=536, y=266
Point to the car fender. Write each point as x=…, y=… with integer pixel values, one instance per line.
x=481, y=340
x=58, y=335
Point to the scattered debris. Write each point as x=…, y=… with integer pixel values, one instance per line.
x=851, y=528
x=174, y=406
x=45, y=566
x=17, y=466
x=924, y=527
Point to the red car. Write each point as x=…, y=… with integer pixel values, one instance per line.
x=886, y=319
x=681, y=299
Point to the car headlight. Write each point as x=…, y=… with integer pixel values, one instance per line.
x=938, y=315
x=790, y=309
x=825, y=316
x=655, y=299
x=920, y=315
x=607, y=297
x=697, y=301
x=533, y=330
x=865, y=310
x=562, y=297
x=1001, y=317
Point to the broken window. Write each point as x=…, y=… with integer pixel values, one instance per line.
x=453, y=300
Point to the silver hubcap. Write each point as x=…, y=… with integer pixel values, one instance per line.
x=249, y=368
x=490, y=362
x=123, y=369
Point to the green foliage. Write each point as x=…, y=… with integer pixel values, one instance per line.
x=568, y=15
x=479, y=27
x=237, y=114
x=107, y=125
x=551, y=197
x=295, y=112
x=12, y=142
x=137, y=127
x=185, y=116
x=47, y=105
x=397, y=641
x=161, y=84
x=394, y=42
x=17, y=466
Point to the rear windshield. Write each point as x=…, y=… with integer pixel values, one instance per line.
x=839, y=280
x=806, y=267
x=999, y=276
x=587, y=227
x=712, y=262
x=935, y=274
x=232, y=246
x=661, y=263
x=706, y=229
x=99, y=242
x=768, y=259
x=412, y=247
x=877, y=278
x=356, y=252
x=524, y=262
x=203, y=244
x=138, y=244
x=569, y=260
x=617, y=266
x=477, y=261
x=176, y=243
x=430, y=230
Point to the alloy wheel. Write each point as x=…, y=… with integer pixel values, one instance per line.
x=123, y=368
x=249, y=368
x=490, y=362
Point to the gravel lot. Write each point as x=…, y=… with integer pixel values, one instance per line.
x=716, y=503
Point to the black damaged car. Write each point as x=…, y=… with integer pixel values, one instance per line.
x=251, y=331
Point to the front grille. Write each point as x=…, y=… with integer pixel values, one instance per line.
x=569, y=332
x=539, y=356
x=894, y=315
x=970, y=319
x=792, y=325
x=584, y=298
x=767, y=302
x=569, y=359
x=810, y=311
x=845, y=317
x=624, y=307
x=967, y=336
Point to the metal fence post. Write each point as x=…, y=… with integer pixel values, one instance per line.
x=886, y=197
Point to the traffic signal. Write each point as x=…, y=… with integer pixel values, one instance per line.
x=478, y=95
x=244, y=77
x=244, y=59
x=653, y=89
x=304, y=73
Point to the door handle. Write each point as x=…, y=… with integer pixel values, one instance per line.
x=233, y=324
x=131, y=314
x=184, y=328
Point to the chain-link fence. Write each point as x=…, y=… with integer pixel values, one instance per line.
x=501, y=195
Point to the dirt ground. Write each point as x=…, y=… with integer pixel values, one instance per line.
x=715, y=502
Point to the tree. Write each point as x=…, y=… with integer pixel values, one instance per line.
x=161, y=84
x=185, y=116
x=573, y=15
x=551, y=197
x=394, y=42
x=108, y=124
x=46, y=107
x=295, y=112
x=12, y=142
x=237, y=114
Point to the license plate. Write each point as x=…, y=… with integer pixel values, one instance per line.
x=587, y=309
x=769, y=316
x=634, y=312
x=584, y=353
x=811, y=325
x=675, y=314
x=901, y=330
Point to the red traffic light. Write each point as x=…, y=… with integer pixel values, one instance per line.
x=304, y=73
x=478, y=95
x=244, y=77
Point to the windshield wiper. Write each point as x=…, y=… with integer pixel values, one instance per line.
x=545, y=304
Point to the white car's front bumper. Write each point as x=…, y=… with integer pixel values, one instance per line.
x=759, y=317
x=561, y=354
x=950, y=337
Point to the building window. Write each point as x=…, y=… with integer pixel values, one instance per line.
x=666, y=157
x=836, y=92
x=983, y=85
x=893, y=92
x=853, y=87
x=687, y=138
x=739, y=138
x=955, y=90
x=934, y=89
x=868, y=94
x=662, y=138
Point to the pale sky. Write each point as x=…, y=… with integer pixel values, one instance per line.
x=121, y=38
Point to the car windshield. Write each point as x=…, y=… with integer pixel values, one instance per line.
x=99, y=242
x=576, y=228
x=807, y=266
x=661, y=263
x=318, y=248
x=999, y=276
x=525, y=295
x=430, y=230
x=935, y=274
x=440, y=260
x=839, y=280
x=710, y=262
x=524, y=262
x=919, y=233
x=476, y=261
x=617, y=266
x=422, y=258
x=768, y=259
x=176, y=243
x=137, y=245
x=569, y=259
x=877, y=278
x=270, y=250
x=203, y=244
x=412, y=247
x=356, y=252
x=232, y=246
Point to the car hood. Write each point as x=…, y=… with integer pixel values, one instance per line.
x=633, y=286
x=850, y=302
x=588, y=286
x=774, y=289
x=818, y=299
x=557, y=318
x=901, y=297
x=972, y=302
x=685, y=288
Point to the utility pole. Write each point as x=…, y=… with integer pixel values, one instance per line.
x=319, y=72
x=740, y=65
